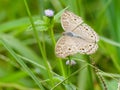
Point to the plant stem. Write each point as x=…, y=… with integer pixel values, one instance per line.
x=62, y=67
x=54, y=42
x=39, y=44
x=52, y=32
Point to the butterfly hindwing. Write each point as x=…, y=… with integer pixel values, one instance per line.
x=65, y=46
x=86, y=32
x=85, y=47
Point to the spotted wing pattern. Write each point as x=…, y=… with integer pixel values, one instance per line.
x=81, y=39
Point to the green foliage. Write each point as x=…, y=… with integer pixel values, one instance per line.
x=28, y=39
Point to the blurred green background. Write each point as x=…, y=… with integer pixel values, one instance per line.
x=22, y=65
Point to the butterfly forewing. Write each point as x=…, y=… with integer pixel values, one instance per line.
x=65, y=46
x=86, y=33
x=69, y=21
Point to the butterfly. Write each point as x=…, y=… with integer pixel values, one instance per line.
x=77, y=38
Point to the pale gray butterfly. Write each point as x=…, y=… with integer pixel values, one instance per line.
x=77, y=38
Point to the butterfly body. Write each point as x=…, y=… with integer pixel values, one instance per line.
x=71, y=34
x=77, y=38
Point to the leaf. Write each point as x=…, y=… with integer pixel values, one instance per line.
x=57, y=16
x=8, y=26
x=39, y=25
x=20, y=47
x=21, y=62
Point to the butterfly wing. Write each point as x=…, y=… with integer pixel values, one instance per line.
x=86, y=32
x=70, y=21
x=85, y=47
x=65, y=46
x=82, y=39
x=87, y=40
x=73, y=23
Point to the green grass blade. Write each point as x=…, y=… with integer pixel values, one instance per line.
x=25, y=67
x=116, y=44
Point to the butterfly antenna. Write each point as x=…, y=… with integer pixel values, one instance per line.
x=99, y=76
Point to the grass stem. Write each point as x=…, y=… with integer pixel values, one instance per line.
x=39, y=44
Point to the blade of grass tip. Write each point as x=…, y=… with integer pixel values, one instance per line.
x=72, y=4
x=57, y=16
x=39, y=44
x=70, y=76
x=25, y=67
